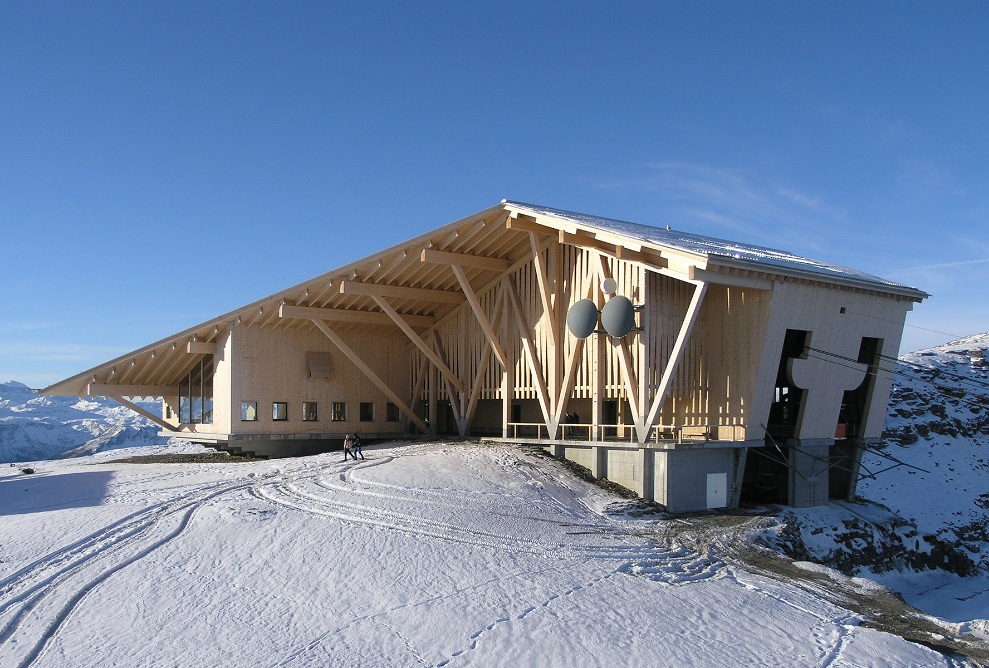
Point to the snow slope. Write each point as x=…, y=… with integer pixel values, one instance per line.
x=33, y=427
x=422, y=555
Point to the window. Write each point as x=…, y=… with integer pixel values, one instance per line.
x=196, y=394
x=338, y=411
x=309, y=412
x=367, y=411
x=392, y=413
x=279, y=411
x=249, y=411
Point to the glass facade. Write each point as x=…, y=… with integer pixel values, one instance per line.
x=196, y=394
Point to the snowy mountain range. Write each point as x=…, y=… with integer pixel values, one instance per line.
x=35, y=428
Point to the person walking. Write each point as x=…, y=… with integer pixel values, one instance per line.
x=348, y=445
x=355, y=448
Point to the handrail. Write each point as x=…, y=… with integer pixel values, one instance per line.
x=660, y=433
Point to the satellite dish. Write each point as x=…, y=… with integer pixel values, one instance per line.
x=617, y=316
x=609, y=286
x=582, y=319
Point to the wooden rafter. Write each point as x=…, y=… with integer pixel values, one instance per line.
x=570, y=374
x=653, y=261
x=345, y=315
x=201, y=347
x=542, y=279
x=482, y=318
x=356, y=360
x=400, y=292
x=420, y=380
x=524, y=223
x=530, y=352
x=455, y=394
x=624, y=358
x=464, y=260
x=420, y=344
x=482, y=367
x=148, y=414
x=674, y=362
x=115, y=391
x=736, y=280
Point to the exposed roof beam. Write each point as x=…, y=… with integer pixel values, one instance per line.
x=529, y=348
x=652, y=261
x=201, y=347
x=524, y=223
x=370, y=374
x=420, y=344
x=673, y=364
x=148, y=414
x=482, y=319
x=542, y=279
x=115, y=391
x=473, y=261
x=400, y=292
x=343, y=315
x=721, y=278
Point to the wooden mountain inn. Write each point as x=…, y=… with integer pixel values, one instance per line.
x=695, y=371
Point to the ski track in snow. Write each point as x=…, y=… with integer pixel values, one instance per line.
x=523, y=509
x=344, y=493
x=37, y=599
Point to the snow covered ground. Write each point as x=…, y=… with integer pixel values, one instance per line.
x=423, y=555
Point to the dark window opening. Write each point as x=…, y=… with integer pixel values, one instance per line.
x=279, y=411
x=310, y=411
x=784, y=412
x=367, y=411
x=392, y=414
x=196, y=393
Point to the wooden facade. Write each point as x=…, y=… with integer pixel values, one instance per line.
x=463, y=331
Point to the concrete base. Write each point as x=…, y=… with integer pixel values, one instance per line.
x=684, y=479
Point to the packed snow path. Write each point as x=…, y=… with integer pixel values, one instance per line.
x=422, y=555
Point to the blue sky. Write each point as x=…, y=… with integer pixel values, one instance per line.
x=162, y=163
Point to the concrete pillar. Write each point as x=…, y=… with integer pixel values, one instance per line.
x=599, y=462
x=808, y=473
x=648, y=464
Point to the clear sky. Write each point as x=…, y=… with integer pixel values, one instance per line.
x=163, y=163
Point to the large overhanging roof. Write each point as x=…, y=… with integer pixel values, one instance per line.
x=417, y=283
x=722, y=251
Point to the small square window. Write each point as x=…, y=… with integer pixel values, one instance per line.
x=338, y=411
x=279, y=411
x=367, y=411
x=392, y=414
x=249, y=411
x=309, y=412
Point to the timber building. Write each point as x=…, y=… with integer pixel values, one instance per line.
x=741, y=372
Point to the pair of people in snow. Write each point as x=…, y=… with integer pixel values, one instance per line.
x=352, y=446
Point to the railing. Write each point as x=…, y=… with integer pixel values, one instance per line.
x=660, y=433
x=528, y=429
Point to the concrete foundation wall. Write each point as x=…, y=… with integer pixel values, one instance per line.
x=687, y=477
x=624, y=467
x=585, y=456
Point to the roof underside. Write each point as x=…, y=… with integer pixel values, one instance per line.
x=426, y=291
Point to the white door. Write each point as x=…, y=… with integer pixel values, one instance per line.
x=717, y=490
